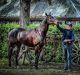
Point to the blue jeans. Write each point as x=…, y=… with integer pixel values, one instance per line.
x=67, y=51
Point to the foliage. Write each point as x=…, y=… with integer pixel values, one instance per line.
x=5, y=28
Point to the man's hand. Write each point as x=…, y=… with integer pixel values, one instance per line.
x=67, y=41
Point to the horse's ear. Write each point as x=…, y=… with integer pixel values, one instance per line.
x=46, y=14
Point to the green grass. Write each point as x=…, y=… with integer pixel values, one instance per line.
x=36, y=72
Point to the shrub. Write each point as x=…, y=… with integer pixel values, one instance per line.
x=5, y=28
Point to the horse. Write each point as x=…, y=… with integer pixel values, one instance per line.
x=31, y=38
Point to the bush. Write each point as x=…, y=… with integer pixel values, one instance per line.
x=5, y=28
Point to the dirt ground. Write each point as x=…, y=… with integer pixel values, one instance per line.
x=44, y=69
x=37, y=72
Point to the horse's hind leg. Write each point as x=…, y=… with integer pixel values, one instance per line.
x=10, y=49
x=17, y=53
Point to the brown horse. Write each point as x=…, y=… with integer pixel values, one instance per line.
x=31, y=38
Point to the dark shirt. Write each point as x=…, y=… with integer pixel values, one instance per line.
x=67, y=34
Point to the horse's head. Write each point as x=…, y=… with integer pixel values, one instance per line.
x=50, y=19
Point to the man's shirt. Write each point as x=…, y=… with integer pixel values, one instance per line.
x=67, y=34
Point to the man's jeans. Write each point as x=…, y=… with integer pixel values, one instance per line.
x=67, y=51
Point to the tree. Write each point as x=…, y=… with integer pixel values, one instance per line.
x=25, y=11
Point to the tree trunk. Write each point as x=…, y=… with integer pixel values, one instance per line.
x=24, y=12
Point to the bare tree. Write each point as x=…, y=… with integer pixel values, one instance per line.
x=24, y=12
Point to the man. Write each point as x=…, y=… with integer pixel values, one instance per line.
x=67, y=40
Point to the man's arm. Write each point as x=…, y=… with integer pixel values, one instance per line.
x=61, y=29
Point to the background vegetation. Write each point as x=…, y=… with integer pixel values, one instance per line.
x=5, y=28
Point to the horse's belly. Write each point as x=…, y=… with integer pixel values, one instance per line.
x=31, y=44
x=29, y=39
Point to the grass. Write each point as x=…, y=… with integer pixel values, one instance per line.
x=36, y=72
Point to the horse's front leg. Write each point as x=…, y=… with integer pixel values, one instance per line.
x=37, y=54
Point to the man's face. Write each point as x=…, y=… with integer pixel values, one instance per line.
x=68, y=27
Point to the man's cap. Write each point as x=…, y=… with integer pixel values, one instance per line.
x=69, y=23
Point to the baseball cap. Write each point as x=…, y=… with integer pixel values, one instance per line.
x=69, y=23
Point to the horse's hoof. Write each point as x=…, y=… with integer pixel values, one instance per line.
x=36, y=67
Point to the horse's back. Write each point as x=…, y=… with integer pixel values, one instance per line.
x=12, y=35
x=30, y=37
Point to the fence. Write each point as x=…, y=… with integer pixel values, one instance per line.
x=52, y=50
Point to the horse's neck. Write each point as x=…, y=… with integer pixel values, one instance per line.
x=44, y=27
